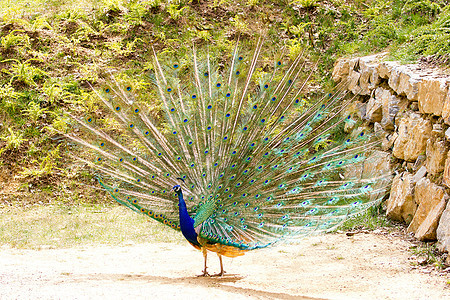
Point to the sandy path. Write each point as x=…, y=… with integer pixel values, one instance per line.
x=363, y=266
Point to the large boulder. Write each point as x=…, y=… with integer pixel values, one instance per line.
x=401, y=205
x=413, y=133
x=431, y=200
x=436, y=155
x=405, y=80
x=443, y=230
x=340, y=70
x=433, y=91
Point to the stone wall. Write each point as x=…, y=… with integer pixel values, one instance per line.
x=410, y=106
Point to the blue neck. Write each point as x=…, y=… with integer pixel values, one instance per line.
x=186, y=222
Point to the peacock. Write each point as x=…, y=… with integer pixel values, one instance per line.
x=238, y=152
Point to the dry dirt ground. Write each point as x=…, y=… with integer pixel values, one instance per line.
x=334, y=266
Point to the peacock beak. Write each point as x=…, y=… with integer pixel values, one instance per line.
x=177, y=189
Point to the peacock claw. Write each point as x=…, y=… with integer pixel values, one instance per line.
x=221, y=274
x=205, y=274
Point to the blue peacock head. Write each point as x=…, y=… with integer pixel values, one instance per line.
x=177, y=189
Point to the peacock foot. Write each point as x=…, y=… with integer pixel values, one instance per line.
x=220, y=274
x=204, y=274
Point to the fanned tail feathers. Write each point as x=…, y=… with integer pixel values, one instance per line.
x=260, y=162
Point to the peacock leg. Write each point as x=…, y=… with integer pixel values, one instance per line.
x=205, y=273
x=222, y=272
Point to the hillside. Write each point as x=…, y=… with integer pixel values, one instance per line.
x=50, y=52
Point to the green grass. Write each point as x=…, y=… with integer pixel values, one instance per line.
x=372, y=219
x=430, y=253
x=51, y=50
x=38, y=227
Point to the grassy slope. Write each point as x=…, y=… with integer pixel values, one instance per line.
x=50, y=51
x=43, y=227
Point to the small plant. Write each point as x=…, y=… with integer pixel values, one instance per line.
x=429, y=254
x=52, y=91
x=113, y=5
x=154, y=3
x=252, y=3
x=24, y=71
x=13, y=141
x=34, y=111
x=40, y=23
x=47, y=166
x=11, y=40
x=203, y=35
x=371, y=219
x=9, y=97
x=174, y=12
x=239, y=25
x=119, y=48
x=295, y=48
x=305, y=3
